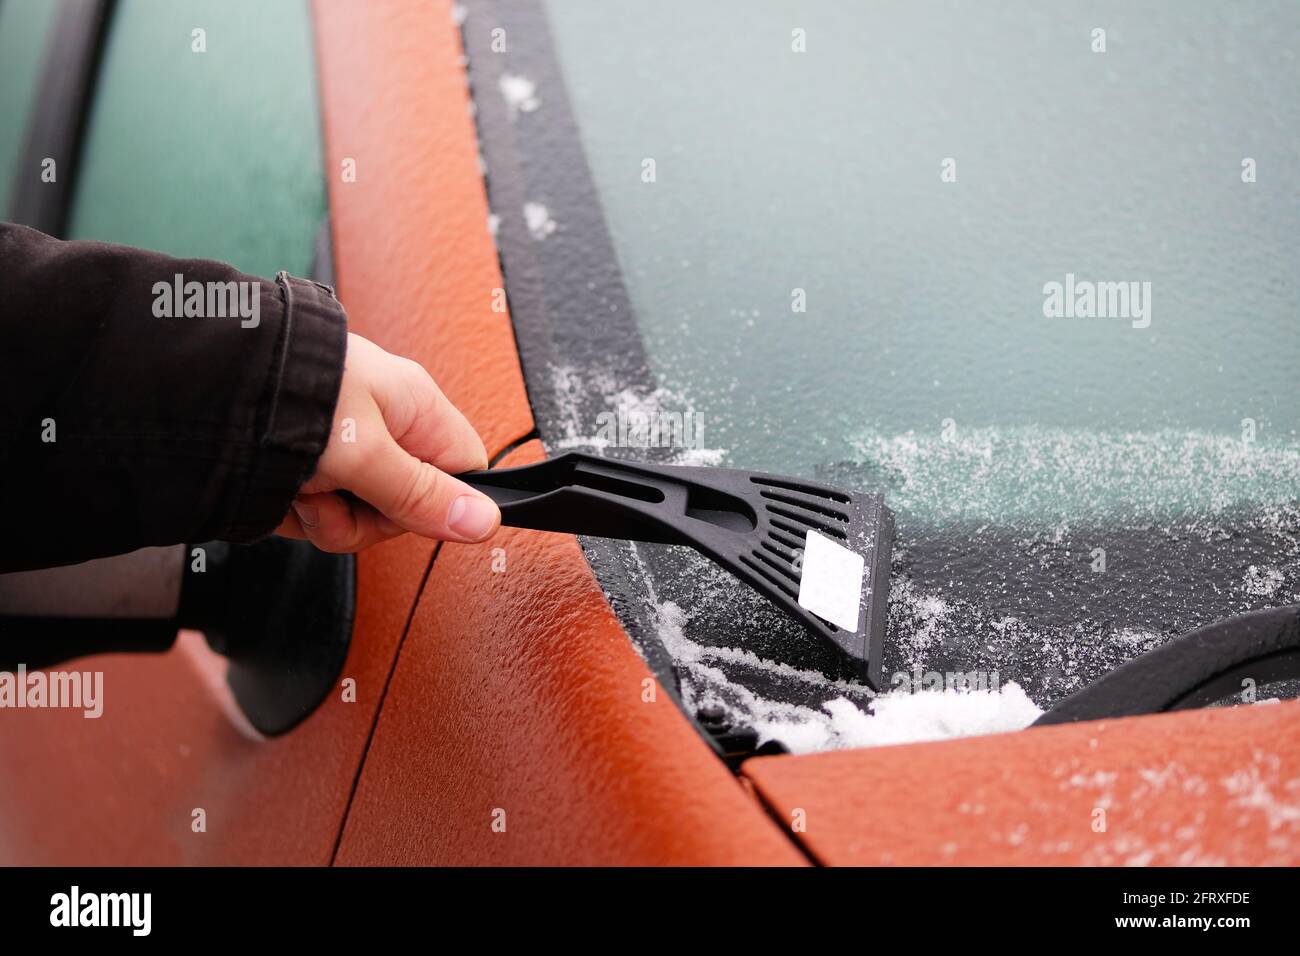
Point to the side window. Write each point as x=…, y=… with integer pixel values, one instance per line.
x=25, y=29
x=204, y=137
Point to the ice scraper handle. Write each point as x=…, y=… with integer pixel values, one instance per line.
x=581, y=494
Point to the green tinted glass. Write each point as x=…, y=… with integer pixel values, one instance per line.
x=24, y=38
x=857, y=208
x=212, y=154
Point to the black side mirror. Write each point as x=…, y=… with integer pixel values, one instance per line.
x=280, y=610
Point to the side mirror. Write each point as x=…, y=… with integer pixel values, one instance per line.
x=280, y=610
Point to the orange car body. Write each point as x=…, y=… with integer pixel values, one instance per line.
x=505, y=718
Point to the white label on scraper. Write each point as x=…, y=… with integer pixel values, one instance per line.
x=831, y=583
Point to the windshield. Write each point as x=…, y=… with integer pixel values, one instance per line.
x=1029, y=274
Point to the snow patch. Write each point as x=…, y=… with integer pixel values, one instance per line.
x=1011, y=475
x=578, y=433
x=855, y=718
x=519, y=92
x=1262, y=582
x=538, y=219
x=1251, y=788
x=902, y=717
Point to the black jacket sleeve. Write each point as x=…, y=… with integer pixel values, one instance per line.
x=133, y=416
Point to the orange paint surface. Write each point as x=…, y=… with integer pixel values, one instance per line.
x=1217, y=786
x=416, y=266
x=519, y=699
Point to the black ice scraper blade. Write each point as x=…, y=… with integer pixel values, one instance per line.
x=754, y=525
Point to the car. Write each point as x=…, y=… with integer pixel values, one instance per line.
x=826, y=243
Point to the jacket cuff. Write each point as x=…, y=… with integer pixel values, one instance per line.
x=296, y=413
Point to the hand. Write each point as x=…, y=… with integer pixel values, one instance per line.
x=407, y=441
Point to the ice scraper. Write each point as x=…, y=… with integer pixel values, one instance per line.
x=819, y=554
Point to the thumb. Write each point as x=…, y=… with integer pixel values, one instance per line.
x=423, y=499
